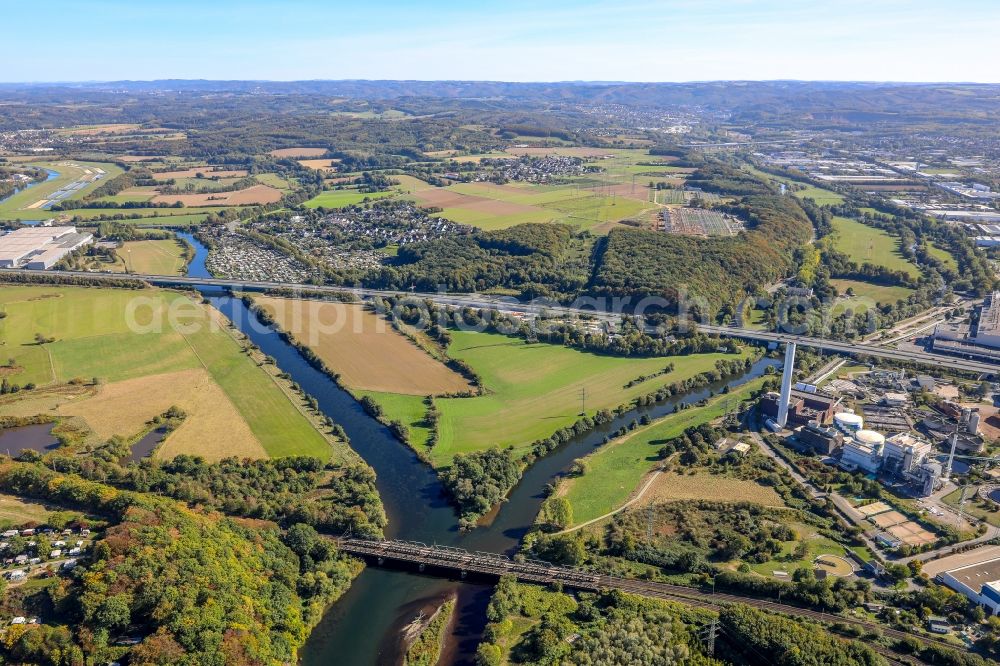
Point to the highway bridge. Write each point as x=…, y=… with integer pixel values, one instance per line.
x=479, y=301
x=449, y=560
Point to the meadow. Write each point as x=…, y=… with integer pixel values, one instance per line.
x=616, y=470
x=144, y=368
x=865, y=244
x=869, y=291
x=152, y=257
x=342, y=198
x=534, y=389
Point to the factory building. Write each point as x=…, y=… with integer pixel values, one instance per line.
x=863, y=451
x=819, y=439
x=980, y=583
x=39, y=248
x=803, y=407
x=979, y=341
x=903, y=454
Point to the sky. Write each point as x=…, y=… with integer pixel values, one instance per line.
x=513, y=40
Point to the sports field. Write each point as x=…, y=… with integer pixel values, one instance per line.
x=535, y=389
x=364, y=349
x=865, y=244
x=113, y=334
x=152, y=257
x=616, y=470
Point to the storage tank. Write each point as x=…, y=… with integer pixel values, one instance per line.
x=847, y=422
x=973, y=427
x=870, y=438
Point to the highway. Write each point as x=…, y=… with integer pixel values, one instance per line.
x=479, y=301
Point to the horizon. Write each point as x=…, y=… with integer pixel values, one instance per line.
x=635, y=41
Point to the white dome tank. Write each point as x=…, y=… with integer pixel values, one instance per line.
x=847, y=422
x=870, y=437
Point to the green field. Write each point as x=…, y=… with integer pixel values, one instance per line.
x=16, y=207
x=152, y=257
x=342, y=198
x=407, y=409
x=95, y=337
x=821, y=196
x=865, y=244
x=942, y=255
x=864, y=291
x=534, y=390
x=570, y=203
x=615, y=470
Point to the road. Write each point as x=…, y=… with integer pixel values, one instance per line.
x=479, y=301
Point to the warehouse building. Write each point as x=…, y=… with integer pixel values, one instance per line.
x=39, y=248
x=980, y=583
x=979, y=341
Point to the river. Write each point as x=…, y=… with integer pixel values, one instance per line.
x=364, y=626
x=51, y=174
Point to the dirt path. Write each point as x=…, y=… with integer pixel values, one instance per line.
x=639, y=495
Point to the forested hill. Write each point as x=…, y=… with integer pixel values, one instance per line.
x=893, y=103
x=711, y=271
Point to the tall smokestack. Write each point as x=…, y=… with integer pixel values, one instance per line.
x=951, y=455
x=786, y=383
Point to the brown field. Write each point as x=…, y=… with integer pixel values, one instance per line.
x=298, y=152
x=873, y=508
x=213, y=429
x=194, y=171
x=319, y=164
x=444, y=198
x=671, y=486
x=112, y=128
x=912, y=534
x=258, y=194
x=565, y=151
x=889, y=518
x=367, y=353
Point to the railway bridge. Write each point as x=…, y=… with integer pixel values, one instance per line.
x=451, y=561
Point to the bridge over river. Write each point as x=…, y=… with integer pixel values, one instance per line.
x=448, y=560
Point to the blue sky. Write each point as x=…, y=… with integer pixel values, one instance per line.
x=542, y=40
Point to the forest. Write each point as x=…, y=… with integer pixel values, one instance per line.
x=171, y=585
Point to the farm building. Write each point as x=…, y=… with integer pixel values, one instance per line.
x=39, y=248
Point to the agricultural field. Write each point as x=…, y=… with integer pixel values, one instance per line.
x=255, y=194
x=532, y=390
x=143, y=365
x=616, y=470
x=298, y=152
x=363, y=348
x=152, y=257
x=342, y=198
x=491, y=206
x=865, y=244
x=74, y=179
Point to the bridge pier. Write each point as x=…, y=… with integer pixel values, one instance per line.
x=462, y=573
x=381, y=561
x=421, y=566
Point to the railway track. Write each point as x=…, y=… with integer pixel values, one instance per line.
x=491, y=564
